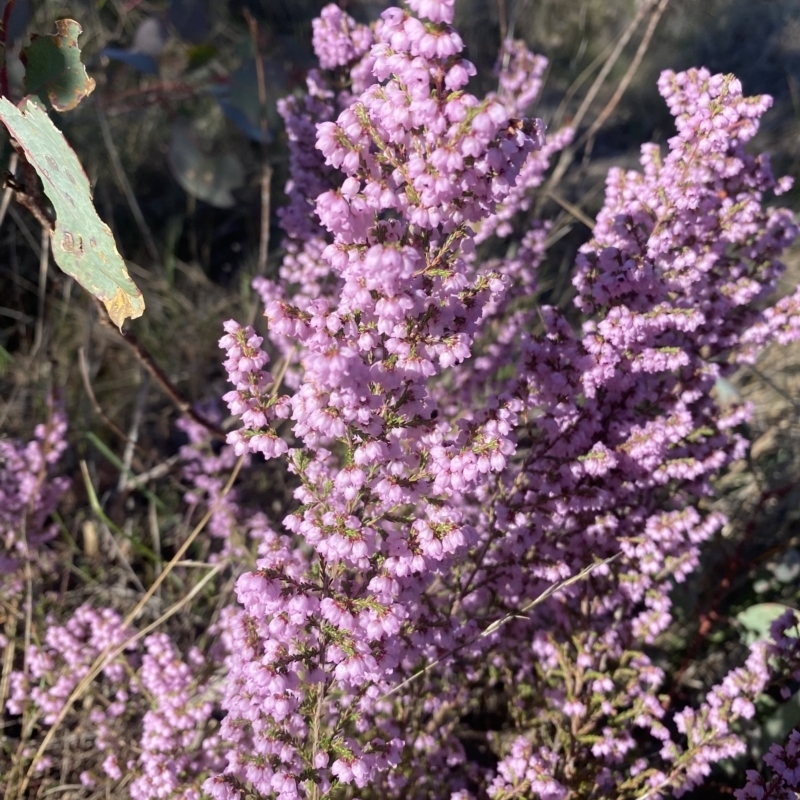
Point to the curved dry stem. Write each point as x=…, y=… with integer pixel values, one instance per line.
x=568, y=154
x=101, y=659
x=499, y=623
x=555, y=122
x=626, y=79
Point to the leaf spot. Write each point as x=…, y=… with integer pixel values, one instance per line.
x=82, y=244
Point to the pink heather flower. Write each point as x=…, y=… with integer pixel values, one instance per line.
x=111, y=767
x=219, y=789
x=524, y=772
x=88, y=780
x=338, y=40
x=29, y=494
x=252, y=399
x=434, y=10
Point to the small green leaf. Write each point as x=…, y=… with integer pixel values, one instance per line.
x=53, y=67
x=757, y=620
x=83, y=245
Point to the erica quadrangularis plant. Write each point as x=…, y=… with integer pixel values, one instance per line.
x=29, y=494
x=422, y=161
x=423, y=521
x=460, y=449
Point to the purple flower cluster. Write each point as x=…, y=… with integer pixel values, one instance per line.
x=338, y=39
x=458, y=449
x=520, y=74
x=784, y=762
x=423, y=162
x=65, y=657
x=424, y=520
x=252, y=399
x=206, y=471
x=176, y=748
x=525, y=773
x=29, y=494
x=166, y=704
x=150, y=722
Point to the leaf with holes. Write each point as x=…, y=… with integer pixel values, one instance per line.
x=53, y=67
x=83, y=245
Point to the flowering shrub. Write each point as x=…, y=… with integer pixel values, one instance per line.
x=459, y=449
x=167, y=704
x=29, y=493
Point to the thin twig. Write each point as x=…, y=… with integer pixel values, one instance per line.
x=279, y=374
x=174, y=394
x=8, y=659
x=643, y=11
x=111, y=652
x=512, y=19
x=655, y=791
x=25, y=231
x=155, y=536
x=158, y=471
x=26, y=554
x=501, y=16
x=44, y=258
x=4, y=25
x=577, y=83
x=266, y=172
x=94, y=503
x=497, y=624
x=261, y=79
x=563, y=224
x=266, y=204
x=12, y=168
x=568, y=154
x=213, y=570
x=26, y=192
x=83, y=366
x=125, y=185
x=133, y=432
x=572, y=209
x=144, y=357
x=626, y=78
